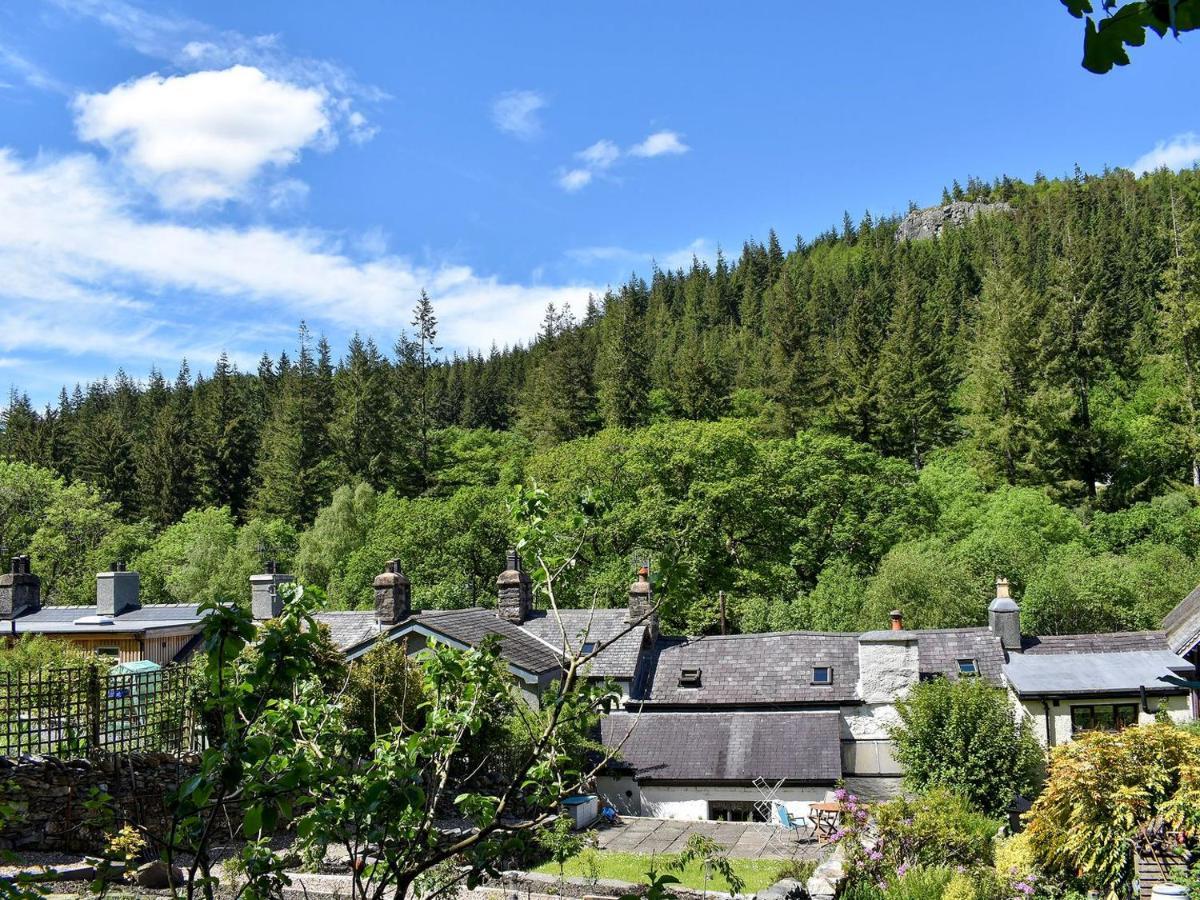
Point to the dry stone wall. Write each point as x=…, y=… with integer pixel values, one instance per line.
x=49, y=797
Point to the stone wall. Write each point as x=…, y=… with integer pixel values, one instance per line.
x=49, y=796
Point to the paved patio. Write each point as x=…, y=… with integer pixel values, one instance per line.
x=747, y=840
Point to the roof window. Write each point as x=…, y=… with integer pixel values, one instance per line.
x=967, y=666
x=689, y=678
x=822, y=675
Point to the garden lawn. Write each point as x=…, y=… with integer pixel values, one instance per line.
x=756, y=873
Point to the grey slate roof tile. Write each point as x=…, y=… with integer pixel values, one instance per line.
x=1116, y=642
x=940, y=650
x=1182, y=624
x=723, y=746
x=618, y=659
x=756, y=669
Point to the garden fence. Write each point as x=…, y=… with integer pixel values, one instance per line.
x=82, y=711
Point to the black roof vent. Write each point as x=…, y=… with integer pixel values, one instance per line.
x=689, y=678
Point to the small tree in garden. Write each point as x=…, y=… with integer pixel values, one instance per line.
x=562, y=842
x=383, y=691
x=965, y=735
x=712, y=859
x=1108, y=793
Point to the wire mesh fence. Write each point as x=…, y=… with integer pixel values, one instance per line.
x=82, y=711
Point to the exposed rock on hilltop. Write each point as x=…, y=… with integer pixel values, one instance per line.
x=931, y=222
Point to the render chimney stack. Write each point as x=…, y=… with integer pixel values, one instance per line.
x=265, y=602
x=1004, y=618
x=514, y=591
x=393, y=594
x=897, y=618
x=20, y=590
x=641, y=604
x=117, y=591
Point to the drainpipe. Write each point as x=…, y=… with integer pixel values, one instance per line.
x=1050, y=736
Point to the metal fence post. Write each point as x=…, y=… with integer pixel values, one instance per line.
x=93, y=699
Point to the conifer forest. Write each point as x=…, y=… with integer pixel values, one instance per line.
x=804, y=433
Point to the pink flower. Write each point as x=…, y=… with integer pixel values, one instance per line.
x=839, y=794
x=874, y=856
x=901, y=869
x=1026, y=889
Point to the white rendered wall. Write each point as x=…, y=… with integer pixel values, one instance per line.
x=691, y=803
x=1177, y=708
x=888, y=668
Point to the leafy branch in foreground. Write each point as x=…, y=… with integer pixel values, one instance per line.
x=1125, y=25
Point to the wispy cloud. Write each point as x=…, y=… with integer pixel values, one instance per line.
x=601, y=156
x=203, y=137
x=661, y=143
x=87, y=273
x=516, y=113
x=29, y=72
x=1179, y=152
x=679, y=258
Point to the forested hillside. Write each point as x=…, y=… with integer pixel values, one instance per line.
x=820, y=432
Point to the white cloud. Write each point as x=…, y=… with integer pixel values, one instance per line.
x=204, y=136
x=680, y=258
x=516, y=113
x=661, y=143
x=1179, y=152
x=192, y=45
x=601, y=156
x=87, y=274
x=574, y=179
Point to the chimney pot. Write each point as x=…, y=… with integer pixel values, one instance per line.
x=514, y=591
x=1004, y=617
x=20, y=590
x=897, y=620
x=641, y=604
x=393, y=594
x=265, y=602
x=117, y=591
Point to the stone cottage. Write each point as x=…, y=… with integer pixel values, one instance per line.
x=707, y=721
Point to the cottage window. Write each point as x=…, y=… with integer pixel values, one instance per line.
x=1103, y=717
x=967, y=667
x=113, y=652
x=822, y=675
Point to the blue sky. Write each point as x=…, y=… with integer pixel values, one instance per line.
x=181, y=179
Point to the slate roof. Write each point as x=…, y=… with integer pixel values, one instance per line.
x=617, y=660
x=773, y=669
x=1182, y=624
x=717, y=746
x=1083, y=673
x=348, y=629
x=939, y=651
x=471, y=626
x=1116, y=642
x=62, y=619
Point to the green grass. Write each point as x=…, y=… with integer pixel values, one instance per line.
x=756, y=873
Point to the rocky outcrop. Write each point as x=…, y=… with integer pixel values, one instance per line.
x=931, y=222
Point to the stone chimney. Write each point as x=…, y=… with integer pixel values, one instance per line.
x=514, y=592
x=1004, y=617
x=393, y=594
x=641, y=605
x=117, y=591
x=889, y=665
x=265, y=602
x=20, y=590
x=897, y=618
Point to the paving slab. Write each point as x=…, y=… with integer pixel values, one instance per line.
x=746, y=840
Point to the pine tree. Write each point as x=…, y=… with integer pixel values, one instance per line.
x=228, y=426
x=364, y=430
x=416, y=359
x=1179, y=319
x=622, y=385
x=167, y=467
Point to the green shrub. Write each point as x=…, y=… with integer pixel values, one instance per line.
x=919, y=883
x=938, y=828
x=965, y=735
x=383, y=690
x=35, y=652
x=1103, y=790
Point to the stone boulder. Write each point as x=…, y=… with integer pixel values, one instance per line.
x=158, y=875
x=930, y=223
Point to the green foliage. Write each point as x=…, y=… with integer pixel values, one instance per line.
x=35, y=653
x=712, y=859
x=383, y=692
x=1126, y=26
x=1103, y=791
x=965, y=736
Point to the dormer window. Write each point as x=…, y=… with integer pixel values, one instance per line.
x=967, y=667
x=689, y=678
x=822, y=675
